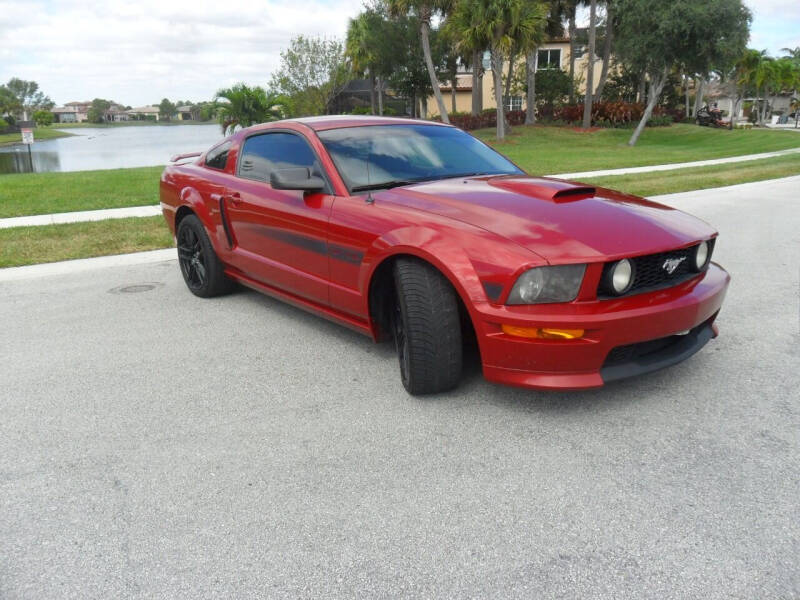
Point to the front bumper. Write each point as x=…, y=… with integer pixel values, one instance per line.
x=609, y=324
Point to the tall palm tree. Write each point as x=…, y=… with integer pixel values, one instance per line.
x=554, y=28
x=608, y=42
x=247, y=106
x=361, y=51
x=587, y=100
x=424, y=10
x=500, y=25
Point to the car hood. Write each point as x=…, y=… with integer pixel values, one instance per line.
x=560, y=221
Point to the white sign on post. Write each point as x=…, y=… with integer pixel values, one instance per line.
x=27, y=136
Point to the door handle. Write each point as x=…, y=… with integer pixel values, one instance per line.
x=235, y=197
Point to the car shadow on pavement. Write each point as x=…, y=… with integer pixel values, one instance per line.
x=473, y=385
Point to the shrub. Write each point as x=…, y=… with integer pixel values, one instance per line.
x=361, y=110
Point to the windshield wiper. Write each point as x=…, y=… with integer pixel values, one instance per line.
x=384, y=185
x=398, y=182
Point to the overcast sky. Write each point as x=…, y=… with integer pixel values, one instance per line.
x=139, y=51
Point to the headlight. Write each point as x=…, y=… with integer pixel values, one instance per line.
x=701, y=256
x=547, y=284
x=619, y=278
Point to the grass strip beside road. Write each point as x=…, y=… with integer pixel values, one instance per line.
x=40, y=133
x=49, y=243
x=45, y=193
x=540, y=150
x=700, y=178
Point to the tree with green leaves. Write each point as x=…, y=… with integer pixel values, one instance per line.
x=9, y=103
x=246, y=106
x=410, y=77
x=554, y=28
x=424, y=11
x=371, y=48
x=655, y=37
x=312, y=72
x=500, y=25
x=166, y=109
x=43, y=118
x=98, y=110
x=28, y=98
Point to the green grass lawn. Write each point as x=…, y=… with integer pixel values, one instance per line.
x=44, y=193
x=700, y=178
x=542, y=150
x=48, y=243
x=40, y=133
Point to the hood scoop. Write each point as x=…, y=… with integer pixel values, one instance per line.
x=552, y=190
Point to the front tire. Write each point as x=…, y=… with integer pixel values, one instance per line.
x=202, y=270
x=427, y=328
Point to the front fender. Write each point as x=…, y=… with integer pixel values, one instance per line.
x=431, y=245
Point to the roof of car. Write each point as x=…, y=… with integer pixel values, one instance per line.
x=336, y=121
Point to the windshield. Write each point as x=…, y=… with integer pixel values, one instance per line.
x=382, y=156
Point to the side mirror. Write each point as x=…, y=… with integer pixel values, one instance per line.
x=299, y=178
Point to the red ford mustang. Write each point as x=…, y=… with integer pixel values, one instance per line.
x=420, y=233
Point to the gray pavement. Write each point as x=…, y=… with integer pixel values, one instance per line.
x=155, y=445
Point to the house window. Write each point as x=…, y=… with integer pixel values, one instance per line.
x=548, y=59
x=512, y=102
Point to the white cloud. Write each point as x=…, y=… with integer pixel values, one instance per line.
x=139, y=52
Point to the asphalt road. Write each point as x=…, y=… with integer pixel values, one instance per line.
x=156, y=445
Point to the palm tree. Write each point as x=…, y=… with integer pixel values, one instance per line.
x=587, y=100
x=424, y=11
x=500, y=25
x=361, y=51
x=246, y=106
x=608, y=41
x=554, y=29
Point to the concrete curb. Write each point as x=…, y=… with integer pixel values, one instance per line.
x=68, y=267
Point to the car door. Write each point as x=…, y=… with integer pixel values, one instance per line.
x=280, y=236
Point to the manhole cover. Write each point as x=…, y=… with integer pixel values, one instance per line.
x=135, y=288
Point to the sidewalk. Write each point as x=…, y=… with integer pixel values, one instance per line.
x=81, y=216
x=150, y=211
x=670, y=167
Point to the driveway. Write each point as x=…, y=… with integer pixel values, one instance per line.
x=156, y=445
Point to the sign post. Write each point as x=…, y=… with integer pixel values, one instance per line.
x=27, y=139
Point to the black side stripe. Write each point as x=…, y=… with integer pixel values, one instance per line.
x=334, y=251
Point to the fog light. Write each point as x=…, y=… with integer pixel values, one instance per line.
x=622, y=276
x=543, y=333
x=701, y=256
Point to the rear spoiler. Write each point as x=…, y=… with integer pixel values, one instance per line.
x=178, y=157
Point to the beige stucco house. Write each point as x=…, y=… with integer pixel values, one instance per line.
x=552, y=55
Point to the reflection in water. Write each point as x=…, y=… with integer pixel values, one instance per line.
x=19, y=161
x=110, y=148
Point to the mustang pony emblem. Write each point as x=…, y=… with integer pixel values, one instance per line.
x=672, y=263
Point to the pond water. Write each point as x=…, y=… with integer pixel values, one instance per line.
x=109, y=148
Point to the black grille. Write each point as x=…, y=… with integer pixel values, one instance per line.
x=650, y=274
x=624, y=354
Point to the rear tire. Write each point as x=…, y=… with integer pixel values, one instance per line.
x=427, y=328
x=200, y=266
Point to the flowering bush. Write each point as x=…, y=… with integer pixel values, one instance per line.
x=604, y=114
x=487, y=118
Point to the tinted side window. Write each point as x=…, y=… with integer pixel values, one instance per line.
x=218, y=157
x=263, y=154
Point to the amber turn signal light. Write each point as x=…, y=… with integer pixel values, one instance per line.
x=543, y=333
